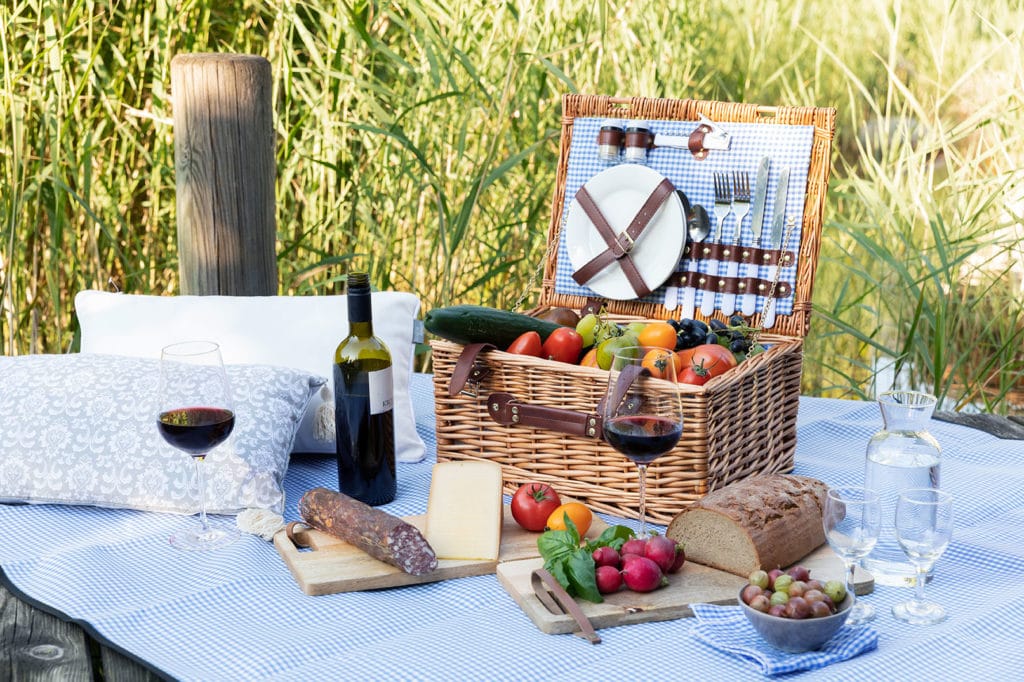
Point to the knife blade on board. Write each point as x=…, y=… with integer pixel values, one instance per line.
x=760, y=194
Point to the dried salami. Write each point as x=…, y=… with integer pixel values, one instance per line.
x=381, y=535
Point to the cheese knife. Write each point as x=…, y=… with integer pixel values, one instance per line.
x=748, y=302
x=778, y=222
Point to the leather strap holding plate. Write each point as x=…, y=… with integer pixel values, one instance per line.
x=619, y=245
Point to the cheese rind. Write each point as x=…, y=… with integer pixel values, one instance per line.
x=464, y=512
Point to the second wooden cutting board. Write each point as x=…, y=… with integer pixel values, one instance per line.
x=692, y=585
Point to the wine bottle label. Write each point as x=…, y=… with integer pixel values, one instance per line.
x=382, y=390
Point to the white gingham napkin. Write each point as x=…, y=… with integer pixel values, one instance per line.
x=726, y=628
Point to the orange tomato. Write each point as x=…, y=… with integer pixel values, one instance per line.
x=590, y=359
x=658, y=335
x=686, y=355
x=657, y=361
x=578, y=512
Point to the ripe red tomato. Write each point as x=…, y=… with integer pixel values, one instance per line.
x=694, y=374
x=716, y=359
x=528, y=343
x=533, y=503
x=564, y=344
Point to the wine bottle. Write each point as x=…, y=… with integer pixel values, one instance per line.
x=363, y=404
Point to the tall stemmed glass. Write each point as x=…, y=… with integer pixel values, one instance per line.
x=852, y=520
x=642, y=411
x=924, y=526
x=196, y=415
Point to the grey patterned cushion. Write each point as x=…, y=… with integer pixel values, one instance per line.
x=81, y=429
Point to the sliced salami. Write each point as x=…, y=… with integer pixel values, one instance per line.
x=381, y=535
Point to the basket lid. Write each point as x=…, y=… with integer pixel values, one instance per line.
x=776, y=268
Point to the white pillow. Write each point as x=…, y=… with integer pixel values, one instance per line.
x=288, y=331
x=81, y=429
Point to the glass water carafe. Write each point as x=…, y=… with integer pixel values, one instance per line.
x=902, y=455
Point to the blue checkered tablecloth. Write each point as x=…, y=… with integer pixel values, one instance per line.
x=237, y=614
x=789, y=146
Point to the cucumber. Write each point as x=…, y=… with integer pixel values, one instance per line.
x=480, y=324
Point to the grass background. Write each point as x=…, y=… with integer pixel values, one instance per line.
x=418, y=140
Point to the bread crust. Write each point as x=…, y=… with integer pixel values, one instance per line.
x=769, y=521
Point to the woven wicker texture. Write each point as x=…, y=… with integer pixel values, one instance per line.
x=738, y=424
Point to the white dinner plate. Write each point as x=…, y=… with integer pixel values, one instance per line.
x=620, y=191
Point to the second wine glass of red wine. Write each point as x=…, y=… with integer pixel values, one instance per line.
x=642, y=410
x=195, y=416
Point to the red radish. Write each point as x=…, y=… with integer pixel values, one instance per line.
x=633, y=546
x=606, y=556
x=608, y=579
x=680, y=560
x=642, y=575
x=662, y=551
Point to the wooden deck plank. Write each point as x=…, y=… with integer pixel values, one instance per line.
x=37, y=646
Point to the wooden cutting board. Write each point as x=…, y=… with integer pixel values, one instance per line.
x=692, y=585
x=327, y=565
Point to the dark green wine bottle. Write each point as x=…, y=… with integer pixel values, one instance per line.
x=363, y=404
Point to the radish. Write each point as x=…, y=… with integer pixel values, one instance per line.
x=662, y=551
x=608, y=579
x=633, y=546
x=642, y=575
x=606, y=556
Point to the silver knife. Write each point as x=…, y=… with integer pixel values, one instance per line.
x=779, y=214
x=760, y=194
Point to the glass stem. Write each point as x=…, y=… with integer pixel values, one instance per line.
x=642, y=468
x=851, y=569
x=922, y=578
x=201, y=479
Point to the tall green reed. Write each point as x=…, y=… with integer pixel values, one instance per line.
x=418, y=140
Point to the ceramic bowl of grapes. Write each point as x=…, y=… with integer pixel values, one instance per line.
x=795, y=615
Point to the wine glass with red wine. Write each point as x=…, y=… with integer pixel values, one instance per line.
x=642, y=411
x=196, y=415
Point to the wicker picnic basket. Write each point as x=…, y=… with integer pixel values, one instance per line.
x=738, y=424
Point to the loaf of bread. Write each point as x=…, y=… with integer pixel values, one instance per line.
x=767, y=522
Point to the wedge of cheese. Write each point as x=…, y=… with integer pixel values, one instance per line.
x=464, y=512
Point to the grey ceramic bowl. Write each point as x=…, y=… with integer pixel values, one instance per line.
x=797, y=636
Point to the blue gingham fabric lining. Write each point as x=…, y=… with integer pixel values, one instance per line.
x=237, y=614
x=789, y=146
x=726, y=628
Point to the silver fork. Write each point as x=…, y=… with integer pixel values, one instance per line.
x=723, y=207
x=740, y=207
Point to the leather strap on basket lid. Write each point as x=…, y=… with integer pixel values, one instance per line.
x=619, y=245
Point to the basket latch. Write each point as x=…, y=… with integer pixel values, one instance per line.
x=506, y=410
x=469, y=371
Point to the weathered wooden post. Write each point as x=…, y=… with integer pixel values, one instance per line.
x=225, y=173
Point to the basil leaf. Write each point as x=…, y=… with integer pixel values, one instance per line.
x=582, y=577
x=613, y=536
x=556, y=545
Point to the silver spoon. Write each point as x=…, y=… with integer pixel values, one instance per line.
x=698, y=226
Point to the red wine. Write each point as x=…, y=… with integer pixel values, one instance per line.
x=642, y=438
x=196, y=430
x=364, y=416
